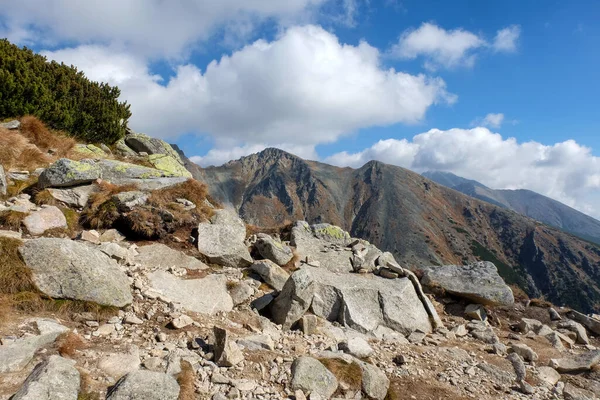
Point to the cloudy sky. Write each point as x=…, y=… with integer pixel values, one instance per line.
x=502, y=92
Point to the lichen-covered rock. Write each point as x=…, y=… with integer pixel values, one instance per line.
x=54, y=379
x=64, y=269
x=272, y=249
x=271, y=273
x=65, y=173
x=310, y=376
x=144, y=143
x=119, y=172
x=124, y=150
x=145, y=385
x=222, y=240
x=49, y=217
x=168, y=164
x=89, y=150
x=478, y=282
x=160, y=256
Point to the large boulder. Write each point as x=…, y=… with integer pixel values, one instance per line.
x=310, y=376
x=65, y=269
x=145, y=385
x=590, y=323
x=222, y=240
x=49, y=217
x=375, y=384
x=146, y=144
x=65, y=173
x=119, y=172
x=478, y=282
x=207, y=295
x=54, y=379
x=272, y=249
x=160, y=256
x=361, y=302
x=577, y=363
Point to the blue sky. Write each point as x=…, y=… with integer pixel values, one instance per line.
x=502, y=92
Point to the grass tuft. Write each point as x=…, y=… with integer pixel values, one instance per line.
x=347, y=374
x=69, y=344
x=101, y=211
x=12, y=219
x=186, y=379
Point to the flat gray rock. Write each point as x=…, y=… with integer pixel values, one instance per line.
x=15, y=356
x=65, y=173
x=581, y=362
x=54, y=379
x=65, y=269
x=146, y=385
x=10, y=125
x=478, y=282
x=310, y=376
x=49, y=217
x=590, y=323
x=161, y=256
x=222, y=240
x=205, y=296
x=75, y=197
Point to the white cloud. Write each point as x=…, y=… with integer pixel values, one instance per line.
x=154, y=28
x=493, y=120
x=449, y=48
x=219, y=156
x=565, y=171
x=305, y=88
x=506, y=39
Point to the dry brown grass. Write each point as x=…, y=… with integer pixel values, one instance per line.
x=15, y=277
x=101, y=211
x=519, y=294
x=145, y=223
x=17, y=152
x=191, y=190
x=44, y=197
x=282, y=230
x=186, y=379
x=12, y=219
x=348, y=374
x=85, y=387
x=19, y=187
x=69, y=343
x=45, y=139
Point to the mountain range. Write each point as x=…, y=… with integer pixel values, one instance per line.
x=525, y=202
x=420, y=221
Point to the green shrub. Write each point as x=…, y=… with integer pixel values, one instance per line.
x=59, y=95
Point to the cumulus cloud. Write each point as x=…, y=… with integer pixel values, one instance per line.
x=565, y=171
x=154, y=28
x=304, y=88
x=506, y=39
x=450, y=48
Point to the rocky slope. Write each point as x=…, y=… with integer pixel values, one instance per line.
x=187, y=302
x=527, y=203
x=420, y=222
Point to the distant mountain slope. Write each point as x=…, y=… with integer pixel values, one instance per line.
x=525, y=202
x=421, y=222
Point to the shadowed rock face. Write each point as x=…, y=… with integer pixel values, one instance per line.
x=419, y=221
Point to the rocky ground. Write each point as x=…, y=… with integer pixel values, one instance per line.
x=172, y=297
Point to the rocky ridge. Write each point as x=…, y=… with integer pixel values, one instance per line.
x=213, y=311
